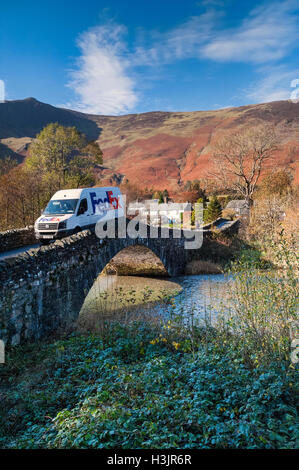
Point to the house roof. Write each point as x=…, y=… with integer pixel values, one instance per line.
x=237, y=204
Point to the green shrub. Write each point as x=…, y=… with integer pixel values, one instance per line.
x=213, y=210
x=148, y=387
x=263, y=305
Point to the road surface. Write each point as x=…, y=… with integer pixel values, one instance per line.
x=17, y=251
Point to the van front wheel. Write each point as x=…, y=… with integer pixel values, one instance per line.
x=77, y=230
x=44, y=242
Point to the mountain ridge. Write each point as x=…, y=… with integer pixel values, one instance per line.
x=159, y=149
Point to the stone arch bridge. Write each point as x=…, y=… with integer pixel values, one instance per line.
x=43, y=290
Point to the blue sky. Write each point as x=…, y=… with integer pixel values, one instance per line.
x=124, y=56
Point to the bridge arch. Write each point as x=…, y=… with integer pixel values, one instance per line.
x=136, y=260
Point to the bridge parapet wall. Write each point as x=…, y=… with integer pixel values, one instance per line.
x=16, y=238
x=34, y=298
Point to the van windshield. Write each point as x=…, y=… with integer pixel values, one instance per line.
x=63, y=206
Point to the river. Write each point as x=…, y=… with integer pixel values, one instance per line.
x=131, y=297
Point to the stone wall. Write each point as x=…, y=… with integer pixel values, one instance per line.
x=42, y=291
x=225, y=226
x=12, y=239
x=39, y=290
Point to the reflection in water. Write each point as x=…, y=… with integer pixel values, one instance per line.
x=124, y=298
x=127, y=297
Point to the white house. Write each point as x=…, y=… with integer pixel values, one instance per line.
x=150, y=211
x=239, y=206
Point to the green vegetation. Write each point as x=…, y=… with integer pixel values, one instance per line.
x=63, y=157
x=193, y=213
x=264, y=304
x=7, y=164
x=213, y=210
x=166, y=384
x=161, y=199
x=140, y=388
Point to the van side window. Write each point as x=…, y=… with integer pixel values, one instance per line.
x=82, y=207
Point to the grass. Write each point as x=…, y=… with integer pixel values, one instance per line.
x=203, y=267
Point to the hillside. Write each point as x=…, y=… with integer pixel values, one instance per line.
x=156, y=149
x=25, y=118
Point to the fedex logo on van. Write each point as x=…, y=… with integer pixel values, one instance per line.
x=109, y=199
x=50, y=219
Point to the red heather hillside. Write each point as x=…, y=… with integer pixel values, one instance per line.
x=180, y=147
x=156, y=149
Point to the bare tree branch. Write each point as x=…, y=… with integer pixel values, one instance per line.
x=239, y=158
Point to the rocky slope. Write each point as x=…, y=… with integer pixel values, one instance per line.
x=156, y=149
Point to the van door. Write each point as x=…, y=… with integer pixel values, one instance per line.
x=83, y=219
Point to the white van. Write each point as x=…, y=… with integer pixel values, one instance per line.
x=72, y=210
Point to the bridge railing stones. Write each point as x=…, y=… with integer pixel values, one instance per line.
x=16, y=238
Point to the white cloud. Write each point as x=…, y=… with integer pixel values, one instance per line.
x=101, y=80
x=267, y=34
x=182, y=42
x=274, y=86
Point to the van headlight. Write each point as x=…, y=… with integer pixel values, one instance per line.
x=62, y=225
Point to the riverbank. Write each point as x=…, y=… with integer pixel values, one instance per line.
x=144, y=386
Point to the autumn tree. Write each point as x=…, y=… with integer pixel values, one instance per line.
x=63, y=156
x=22, y=196
x=239, y=159
x=278, y=182
x=7, y=164
x=275, y=206
x=192, y=192
x=59, y=157
x=134, y=192
x=93, y=151
x=156, y=195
